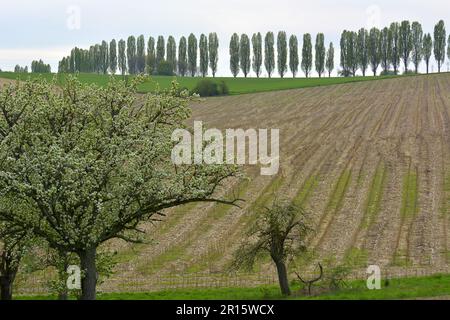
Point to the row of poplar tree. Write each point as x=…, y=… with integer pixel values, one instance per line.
x=400, y=42
x=132, y=56
x=240, y=54
x=393, y=46
x=36, y=67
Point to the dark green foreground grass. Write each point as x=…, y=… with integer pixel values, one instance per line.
x=407, y=288
x=236, y=85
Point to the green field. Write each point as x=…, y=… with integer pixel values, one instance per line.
x=236, y=85
x=437, y=286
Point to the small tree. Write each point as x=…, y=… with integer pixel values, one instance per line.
x=279, y=231
x=151, y=56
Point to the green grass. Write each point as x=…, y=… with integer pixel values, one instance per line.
x=375, y=196
x=406, y=288
x=307, y=189
x=236, y=85
x=409, y=194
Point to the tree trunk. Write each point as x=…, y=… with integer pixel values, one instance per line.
x=283, y=278
x=8, y=271
x=6, y=286
x=89, y=269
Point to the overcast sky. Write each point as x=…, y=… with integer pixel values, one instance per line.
x=48, y=29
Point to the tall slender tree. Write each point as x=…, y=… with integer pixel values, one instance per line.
x=122, y=59
x=160, y=50
x=244, y=54
x=385, y=50
x=282, y=53
x=395, y=45
x=104, y=62
x=257, y=53
x=140, y=54
x=172, y=53
x=204, y=59
x=427, y=49
x=440, y=38
x=406, y=44
x=293, y=55
x=234, y=55
x=320, y=54
x=151, y=56
x=182, y=57
x=307, y=58
x=192, y=54
x=113, y=56
x=374, y=49
x=213, y=48
x=417, y=44
x=330, y=59
x=269, y=53
x=131, y=54
x=344, y=54
x=362, y=48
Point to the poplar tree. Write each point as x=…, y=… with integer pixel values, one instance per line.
x=330, y=59
x=269, y=53
x=131, y=54
x=234, y=55
x=395, y=45
x=182, y=57
x=257, y=53
x=406, y=44
x=363, y=50
x=320, y=54
x=140, y=54
x=417, y=47
x=204, y=60
x=104, y=62
x=293, y=55
x=172, y=53
x=385, y=50
x=160, y=50
x=440, y=38
x=307, y=58
x=282, y=53
x=244, y=55
x=213, y=48
x=122, y=59
x=192, y=54
x=151, y=56
x=113, y=56
x=374, y=49
x=427, y=49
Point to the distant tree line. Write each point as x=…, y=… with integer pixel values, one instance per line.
x=154, y=57
x=287, y=55
x=368, y=51
x=398, y=45
x=36, y=67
